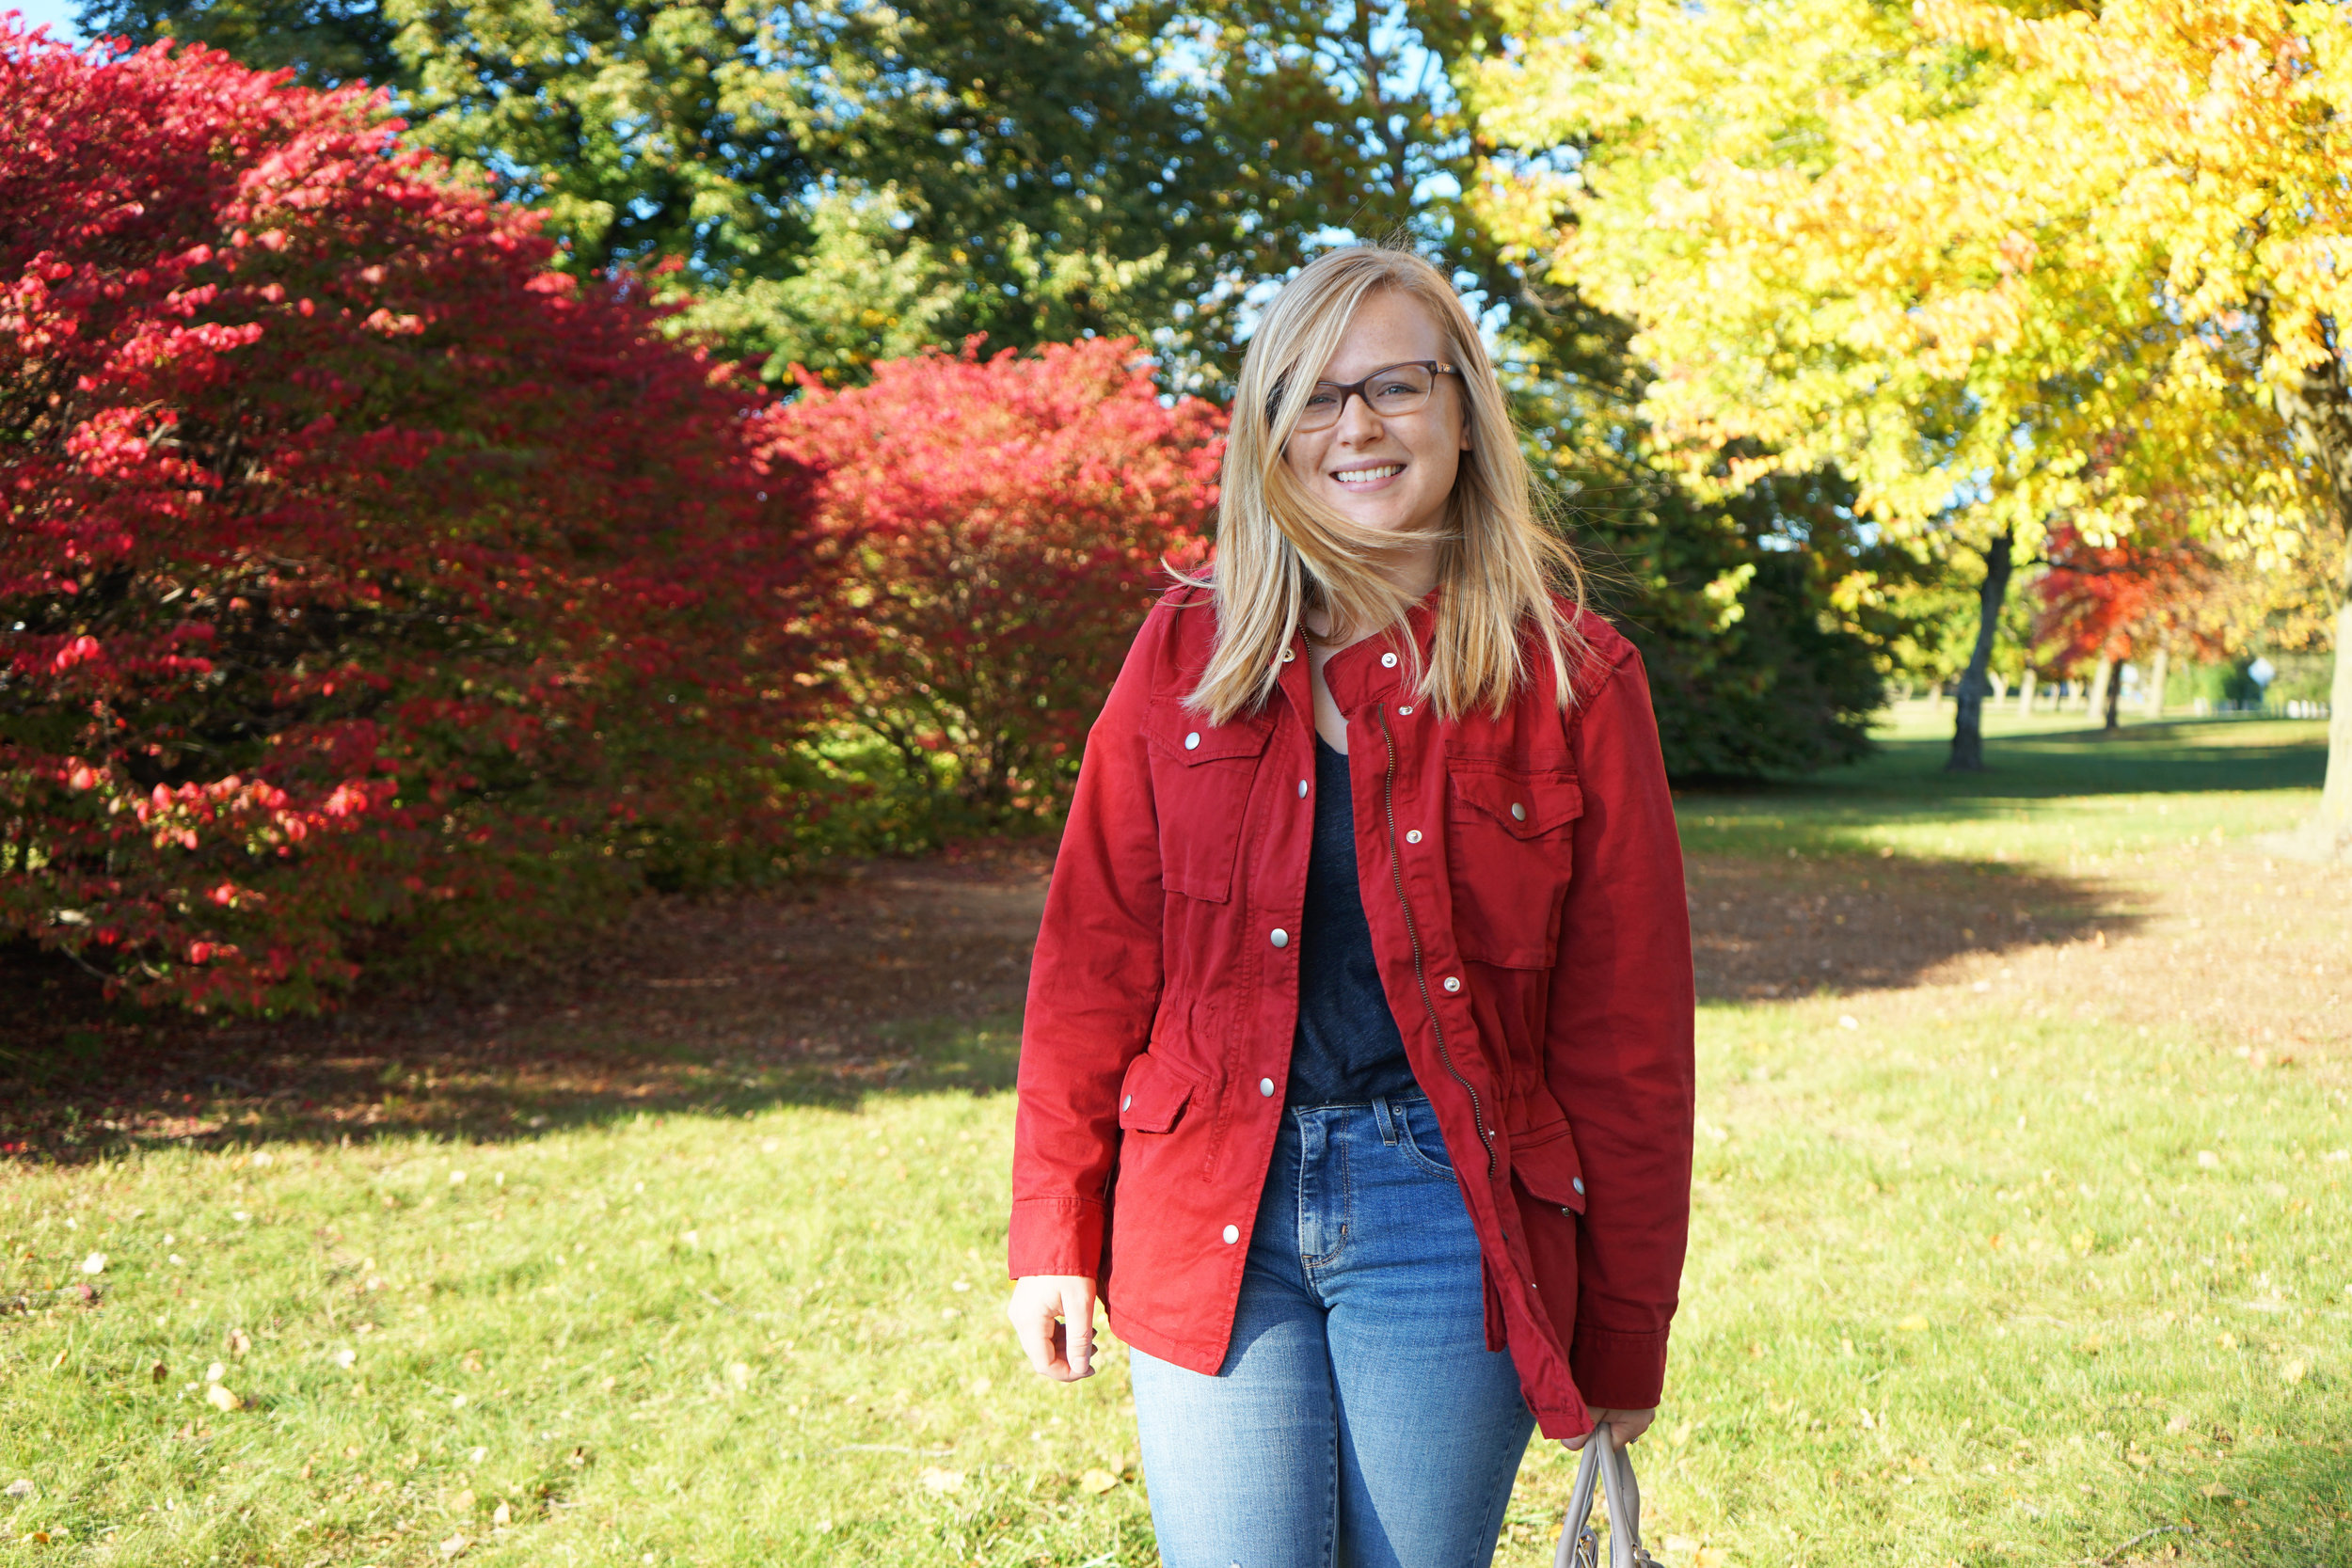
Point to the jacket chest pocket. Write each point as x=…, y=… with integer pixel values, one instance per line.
x=1510, y=851
x=1201, y=775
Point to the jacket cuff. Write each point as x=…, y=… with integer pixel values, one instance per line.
x=1618, y=1371
x=1056, y=1235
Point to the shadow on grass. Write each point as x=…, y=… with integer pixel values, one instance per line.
x=2177, y=757
x=2290, y=1506
x=907, y=979
x=1763, y=928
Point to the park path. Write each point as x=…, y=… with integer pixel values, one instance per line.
x=691, y=1004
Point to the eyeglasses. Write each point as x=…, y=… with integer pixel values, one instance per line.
x=1389, y=391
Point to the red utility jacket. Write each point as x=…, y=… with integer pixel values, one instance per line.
x=1523, y=883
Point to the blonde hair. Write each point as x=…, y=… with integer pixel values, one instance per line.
x=1278, y=549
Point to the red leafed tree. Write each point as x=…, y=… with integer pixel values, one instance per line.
x=1002, y=521
x=359, y=571
x=2100, y=601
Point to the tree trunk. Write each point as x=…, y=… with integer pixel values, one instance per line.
x=2154, y=702
x=2317, y=402
x=1968, y=719
x=2332, y=827
x=2115, y=696
x=2100, y=684
x=2024, y=692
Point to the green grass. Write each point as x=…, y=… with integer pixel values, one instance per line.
x=1967, y=1286
x=2050, y=790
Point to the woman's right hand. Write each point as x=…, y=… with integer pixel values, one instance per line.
x=1054, y=1315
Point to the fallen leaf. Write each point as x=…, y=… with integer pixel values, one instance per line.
x=503, y=1517
x=215, y=1373
x=2179, y=1424
x=2213, y=1489
x=1680, y=1545
x=238, y=1344
x=159, y=1371
x=462, y=1502
x=2292, y=1371
x=1912, y=1325
x=937, y=1479
x=454, y=1545
x=2207, y=1158
x=94, y=1263
x=22, y=1487
x=344, y=1359
x=219, y=1397
x=1097, y=1481
x=1710, y=1557
x=740, y=1373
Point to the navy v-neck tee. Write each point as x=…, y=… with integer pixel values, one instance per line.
x=1347, y=1051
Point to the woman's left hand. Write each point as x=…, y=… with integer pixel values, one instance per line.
x=1624, y=1426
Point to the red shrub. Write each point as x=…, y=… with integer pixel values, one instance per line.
x=357, y=568
x=1003, y=522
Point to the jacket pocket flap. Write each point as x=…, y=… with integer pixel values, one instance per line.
x=1190, y=738
x=1524, y=804
x=1150, y=1098
x=1550, y=1172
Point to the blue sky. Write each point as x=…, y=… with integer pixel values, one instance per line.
x=58, y=14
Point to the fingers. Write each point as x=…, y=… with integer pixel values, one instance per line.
x=1624, y=1426
x=1033, y=1324
x=1627, y=1426
x=1054, y=1319
x=1077, y=1316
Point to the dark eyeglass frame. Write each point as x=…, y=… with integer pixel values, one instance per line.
x=1355, y=388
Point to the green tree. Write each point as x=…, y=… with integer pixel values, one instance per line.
x=1013, y=167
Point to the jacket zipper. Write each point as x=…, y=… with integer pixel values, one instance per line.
x=1413, y=934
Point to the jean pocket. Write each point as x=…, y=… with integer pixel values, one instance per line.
x=1423, y=1144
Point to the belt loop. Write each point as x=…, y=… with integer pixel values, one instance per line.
x=1387, y=1117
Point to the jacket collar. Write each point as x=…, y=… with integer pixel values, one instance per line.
x=1362, y=673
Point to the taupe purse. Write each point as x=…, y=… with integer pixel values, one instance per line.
x=1605, y=1463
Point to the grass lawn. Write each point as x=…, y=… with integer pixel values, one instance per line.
x=2022, y=1236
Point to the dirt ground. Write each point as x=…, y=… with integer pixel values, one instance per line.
x=700, y=1004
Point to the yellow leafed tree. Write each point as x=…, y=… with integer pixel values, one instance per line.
x=2002, y=269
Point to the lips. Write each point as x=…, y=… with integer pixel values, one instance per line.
x=1372, y=474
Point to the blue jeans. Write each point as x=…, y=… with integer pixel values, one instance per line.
x=1359, y=1420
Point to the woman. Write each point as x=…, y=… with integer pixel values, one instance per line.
x=1357, y=1071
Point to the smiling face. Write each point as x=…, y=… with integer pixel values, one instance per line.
x=1389, y=473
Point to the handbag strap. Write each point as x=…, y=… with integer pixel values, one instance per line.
x=1607, y=1469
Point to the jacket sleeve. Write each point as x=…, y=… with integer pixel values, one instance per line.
x=1618, y=1047
x=1094, y=987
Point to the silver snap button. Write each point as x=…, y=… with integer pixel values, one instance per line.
x=1128, y=1103
x=1577, y=1183
x=1454, y=982
x=1405, y=712
x=1388, y=661
x=1192, y=741
x=1289, y=654
x=1302, y=789
x=1266, y=1088
x=1518, y=813
x=1233, y=1234
x=1280, y=937
x=1412, y=836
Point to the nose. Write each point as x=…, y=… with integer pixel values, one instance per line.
x=1357, y=423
